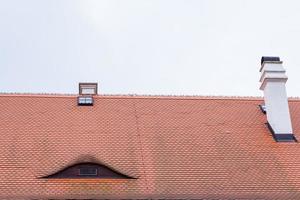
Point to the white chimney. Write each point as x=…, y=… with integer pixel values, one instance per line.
x=273, y=81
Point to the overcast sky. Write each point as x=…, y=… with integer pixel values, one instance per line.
x=191, y=47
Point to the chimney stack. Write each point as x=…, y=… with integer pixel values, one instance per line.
x=273, y=81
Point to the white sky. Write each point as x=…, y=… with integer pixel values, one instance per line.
x=191, y=47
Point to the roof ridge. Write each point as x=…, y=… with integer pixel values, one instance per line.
x=130, y=95
x=37, y=93
x=163, y=96
x=181, y=96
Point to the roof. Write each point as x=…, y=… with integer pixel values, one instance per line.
x=175, y=147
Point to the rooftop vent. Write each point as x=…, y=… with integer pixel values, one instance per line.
x=88, y=88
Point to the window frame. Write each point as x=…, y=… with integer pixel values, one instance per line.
x=87, y=174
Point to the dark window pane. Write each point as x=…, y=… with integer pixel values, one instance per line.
x=88, y=171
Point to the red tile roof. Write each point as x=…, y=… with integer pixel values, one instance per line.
x=176, y=147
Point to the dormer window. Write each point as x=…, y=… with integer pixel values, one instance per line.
x=88, y=171
x=86, y=92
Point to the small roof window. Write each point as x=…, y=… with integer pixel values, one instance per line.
x=85, y=100
x=88, y=88
x=88, y=171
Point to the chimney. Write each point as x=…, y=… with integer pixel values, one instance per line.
x=273, y=81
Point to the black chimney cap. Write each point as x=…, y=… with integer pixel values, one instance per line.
x=269, y=58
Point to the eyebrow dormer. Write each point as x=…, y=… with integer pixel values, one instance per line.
x=86, y=92
x=88, y=170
